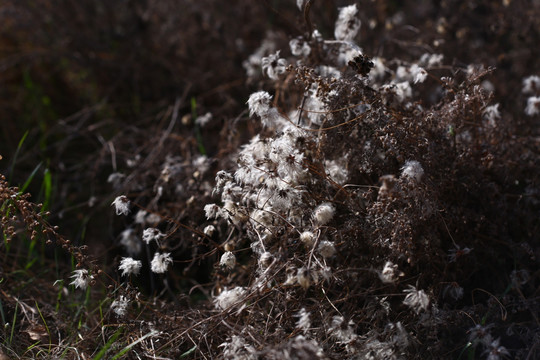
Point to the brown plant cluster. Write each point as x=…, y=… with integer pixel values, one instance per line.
x=309, y=180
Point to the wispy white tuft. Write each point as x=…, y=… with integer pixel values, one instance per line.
x=161, y=262
x=228, y=260
x=120, y=305
x=326, y=249
x=323, y=213
x=130, y=240
x=416, y=299
x=304, y=321
x=273, y=65
x=389, y=273
x=121, y=204
x=129, y=266
x=81, y=278
x=347, y=24
x=533, y=106
x=531, y=85
x=308, y=238
x=152, y=234
x=413, y=170
x=228, y=298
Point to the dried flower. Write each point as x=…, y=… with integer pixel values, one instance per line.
x=121, y=203
x=418, y=73
x=152, y=234
x=458, y=252
x=304, y=322
x=228, y=260
x=324, y=213
x=326, y=249
x=308, y=238
x=533, y=106
x=389, y=273
x=259, y=103
x=81, y=278
x=347, y=24
x=416, y=299
x=130, y=266
x=494, y=351
x=265, y=260
x=209, y=230
x=531, y=84
x=303, y=277
x=212, y=211
x=228, y=298
x=492, y=114
x=299, y=47
x=161, y=262
x=203, y=120
x=273, y=66
x=130, y=240
x=480, y=333
x=120, y=306
x=412, y=170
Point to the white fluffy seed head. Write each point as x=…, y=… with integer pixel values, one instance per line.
x=265, y=260
x=323, y=213
x=120, y=305
x=228, y=298
x=121, y=204
x=533, y=106
x=161, y=262
x=130, y=266
x=152, y=234
x=209, y=230
x=416, y=299
x=389, y=273
x=326, y=249
x=259, y=103
x=303, y=277
x=308, y=238
x=81, y=278
x=347, y=24
x=228, y=260
x=412, y=170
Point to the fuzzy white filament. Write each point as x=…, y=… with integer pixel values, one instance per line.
x=347, y=24
x=416, y=299
x=304, y=321
x=273, y=65
x=228, y=260
x=161, y=262
x=413, y=170
x=308, y=238
x=259, y=103
x=120, y=306
x=81, y=278
x=326, y=249
x=121, y=204
x=152, y=234
x=389, y=273
x=130, y=240
x=209, y=230
x=533, y=106
x=228, y=298
x=130, y=266
x=323, y=213
x=531, y=85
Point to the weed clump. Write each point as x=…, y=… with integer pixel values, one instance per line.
x=365, y=204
